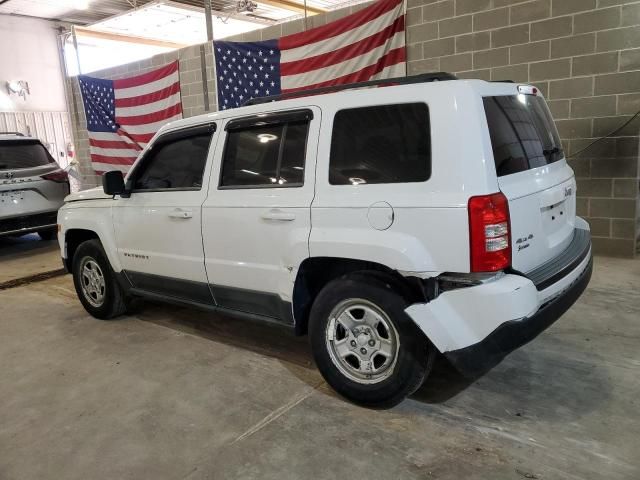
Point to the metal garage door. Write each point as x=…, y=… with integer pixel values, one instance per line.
x=52, y=128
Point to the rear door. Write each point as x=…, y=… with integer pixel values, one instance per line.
x=534, y=176
x=257, y=217
x=25, y=187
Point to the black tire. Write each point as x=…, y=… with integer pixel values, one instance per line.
x=114, y=301
x=415, y=354
x=47, y=234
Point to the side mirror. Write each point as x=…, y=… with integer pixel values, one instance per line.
x=113, y=182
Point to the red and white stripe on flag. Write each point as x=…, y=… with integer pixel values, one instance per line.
x=367, y=45
x=121, y=119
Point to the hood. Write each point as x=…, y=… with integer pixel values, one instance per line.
x=91, y=194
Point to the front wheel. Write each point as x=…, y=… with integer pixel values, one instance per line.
x=365, y=345
x=96, y=283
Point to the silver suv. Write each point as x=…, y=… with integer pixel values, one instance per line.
x=32, y=187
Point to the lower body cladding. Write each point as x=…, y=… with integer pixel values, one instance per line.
x=476, y=327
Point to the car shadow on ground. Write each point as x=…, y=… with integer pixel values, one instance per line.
x=10, y=246
x=548, y=380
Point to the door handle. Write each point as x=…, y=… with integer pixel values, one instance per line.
x=278, y=215
x=180, y=213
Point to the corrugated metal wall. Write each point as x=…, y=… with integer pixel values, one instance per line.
x=52, y=128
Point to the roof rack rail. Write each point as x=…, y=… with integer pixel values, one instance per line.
x=422, y=78
x=18, y=134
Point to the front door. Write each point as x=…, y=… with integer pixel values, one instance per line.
x=158, y=228
x=257, y=220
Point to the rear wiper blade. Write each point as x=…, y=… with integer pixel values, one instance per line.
x=551, y=151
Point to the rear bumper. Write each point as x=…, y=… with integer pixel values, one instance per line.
x=476, y=327
x=481, y=357
x=28, y=223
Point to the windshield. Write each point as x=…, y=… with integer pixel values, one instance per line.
x=522, y=132
x=16, y=154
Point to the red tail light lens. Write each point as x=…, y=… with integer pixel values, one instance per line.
x=59, y=176
x=489, y=234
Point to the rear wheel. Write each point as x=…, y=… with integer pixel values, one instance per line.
x=47, y=234
x=96, y=283
x=365, y=345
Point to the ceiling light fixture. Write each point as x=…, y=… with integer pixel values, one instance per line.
x=246, y=6
x=266, y=137
x=80, y=4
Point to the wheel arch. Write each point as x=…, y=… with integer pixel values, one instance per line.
x=316, y=272
x=72, y=240
x=81, y=224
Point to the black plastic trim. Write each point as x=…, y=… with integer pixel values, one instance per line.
x=172, y=287
x=186, y=132
x=560, y=266
x=479, y=358
x=271, y=118
x=250, y=301
x=227, y=300
x=203, y=306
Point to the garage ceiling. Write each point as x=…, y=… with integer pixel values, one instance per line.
x=86, y=12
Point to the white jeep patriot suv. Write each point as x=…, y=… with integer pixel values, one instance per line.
x=431, y=215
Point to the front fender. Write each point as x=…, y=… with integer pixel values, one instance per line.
x=94, y=218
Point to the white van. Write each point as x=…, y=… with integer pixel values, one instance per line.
x=425, y=215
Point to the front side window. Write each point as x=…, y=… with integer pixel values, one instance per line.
x=265, y=155
x=174, y=164
x=381, y=144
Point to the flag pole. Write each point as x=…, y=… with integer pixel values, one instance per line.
x=406, y=40
x=209, y=20
x=305, y=15
x=75, y=47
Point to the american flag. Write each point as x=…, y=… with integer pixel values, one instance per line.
x=366, y=45
x=123, y=115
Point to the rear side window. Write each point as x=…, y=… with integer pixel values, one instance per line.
x=177, y=164
x=523, y=135
x=265, y=155
x=23, y=154
x=381, y=144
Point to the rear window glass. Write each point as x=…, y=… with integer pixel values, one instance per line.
x=23, y=154
x=523, y=135
x=382, y=144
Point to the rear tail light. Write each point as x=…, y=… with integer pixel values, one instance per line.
x=489, y=235
x=59, y=176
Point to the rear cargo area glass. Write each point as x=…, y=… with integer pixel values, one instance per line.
x=523, y=135
x=23, y=154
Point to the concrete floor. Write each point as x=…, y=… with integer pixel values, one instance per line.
x=172, y=393
x=26, y=257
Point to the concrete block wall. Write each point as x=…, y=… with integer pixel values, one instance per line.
x=584, y=55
